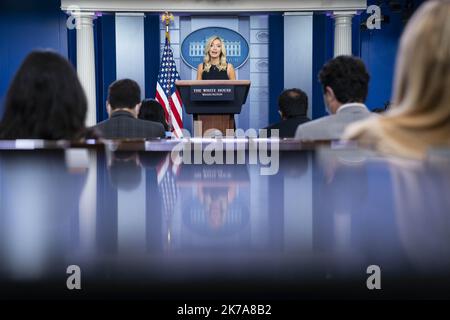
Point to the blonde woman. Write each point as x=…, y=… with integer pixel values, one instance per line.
x=420, y=117
x=215, y=66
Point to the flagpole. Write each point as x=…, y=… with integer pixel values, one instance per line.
x=167, y=18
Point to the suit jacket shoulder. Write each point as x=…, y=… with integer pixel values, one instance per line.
x=287, y=127
x=123, y=126
x=330, y=127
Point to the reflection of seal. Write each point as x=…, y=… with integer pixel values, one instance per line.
x=216, y=211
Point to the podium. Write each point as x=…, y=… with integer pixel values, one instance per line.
x=213, y=102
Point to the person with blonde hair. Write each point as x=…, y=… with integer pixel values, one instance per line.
x=215, y=65
x=420, y=116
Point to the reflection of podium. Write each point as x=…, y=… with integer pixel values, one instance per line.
x=214, y=102
x=214, y=204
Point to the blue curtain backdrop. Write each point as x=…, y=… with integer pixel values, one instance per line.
x=323, y=50
x=276, y=64
x=151, y=55
x=28, y=25
x=105, y=60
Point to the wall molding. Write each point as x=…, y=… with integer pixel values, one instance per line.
x=214, y=6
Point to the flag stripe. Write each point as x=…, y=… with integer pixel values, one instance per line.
x=162, y=99
x=176, y=128
x=174, y=111
x=177, y=102
x=162, y=167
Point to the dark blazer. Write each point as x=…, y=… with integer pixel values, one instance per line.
x=287, y=127
x=122, y=125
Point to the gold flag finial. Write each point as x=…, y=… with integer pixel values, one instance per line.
x=167, y=18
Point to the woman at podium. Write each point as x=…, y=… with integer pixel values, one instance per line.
x=215, y=65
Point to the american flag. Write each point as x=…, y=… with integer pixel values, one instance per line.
x=166, y=92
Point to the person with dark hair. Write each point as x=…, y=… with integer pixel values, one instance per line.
x=293, y=105
x=123, y=104
x=152, y=110
x=45, y=100
x=345, y=83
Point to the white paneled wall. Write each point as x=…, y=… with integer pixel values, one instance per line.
x=298, y=60
x=259, y=71
x=130, y=51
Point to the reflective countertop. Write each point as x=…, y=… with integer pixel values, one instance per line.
x=144, y=222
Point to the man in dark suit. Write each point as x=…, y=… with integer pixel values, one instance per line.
x=124, y=102
x=293, y=105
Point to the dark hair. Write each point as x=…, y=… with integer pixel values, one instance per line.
x=348, y=77
x=45, y=100
x=293, y=102
x=124, y=93
x=152, y=110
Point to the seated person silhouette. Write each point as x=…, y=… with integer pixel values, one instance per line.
x=152, y=110
x=345, y=83
x=419, y=119
x=45, y=101
x=293, y=106
x=123, y=104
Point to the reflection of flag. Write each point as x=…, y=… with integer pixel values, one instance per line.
x=166, y=92
x=166, y=172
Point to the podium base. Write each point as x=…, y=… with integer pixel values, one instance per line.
x=220, y=122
